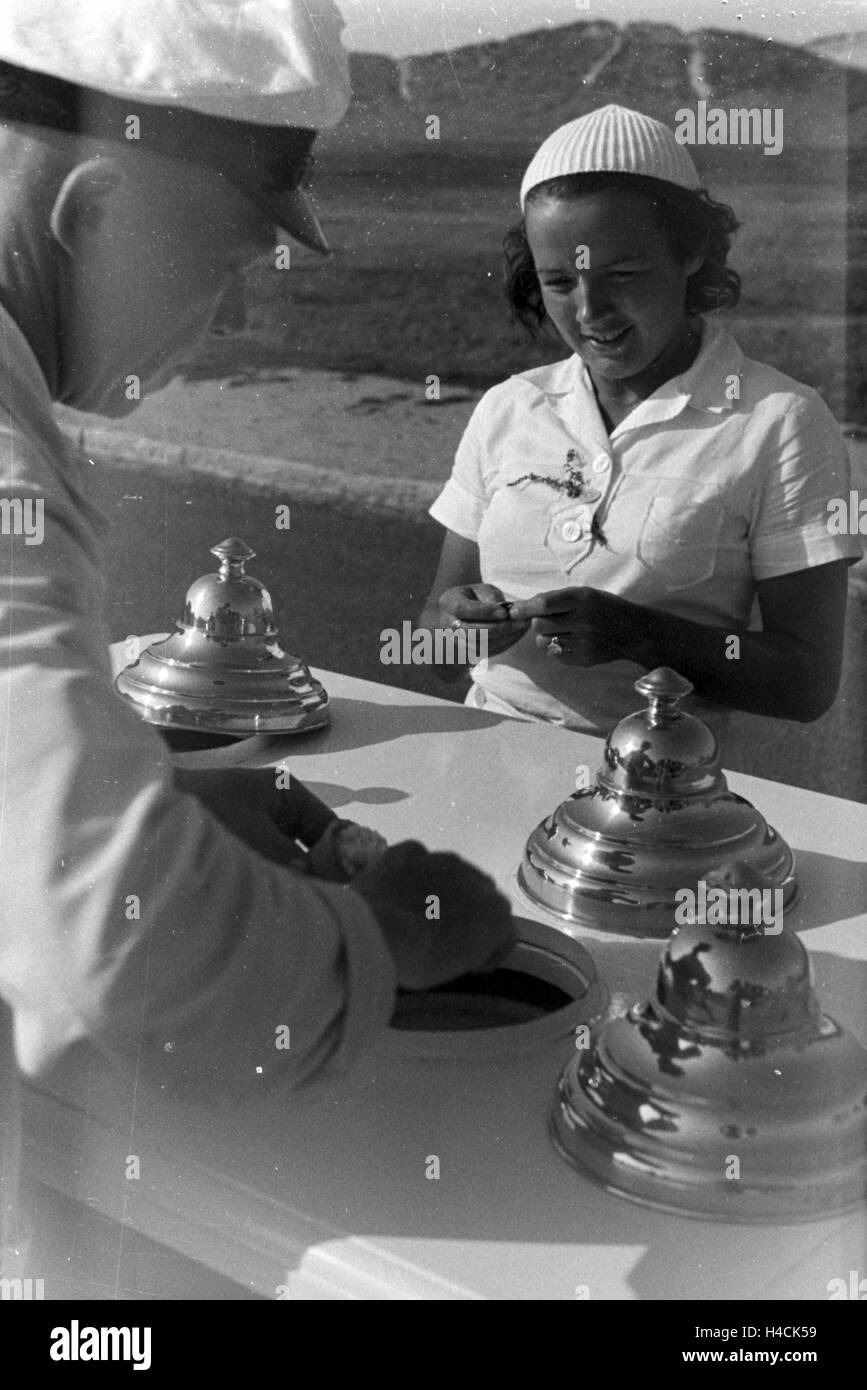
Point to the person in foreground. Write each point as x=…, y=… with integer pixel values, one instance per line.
x=134, y=920
x=627, y=507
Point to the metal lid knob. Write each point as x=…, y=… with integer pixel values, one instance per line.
x=664, y=689
x=710, y=985
x=233, y=555
x=662, y=751
x=230, y=605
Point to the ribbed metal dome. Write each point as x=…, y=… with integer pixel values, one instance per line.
x=659, y=819
x=729, y=1094
x=223, y=671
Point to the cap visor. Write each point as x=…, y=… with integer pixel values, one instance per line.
x=293, y=211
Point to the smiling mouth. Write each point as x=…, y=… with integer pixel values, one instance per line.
x=606, y=339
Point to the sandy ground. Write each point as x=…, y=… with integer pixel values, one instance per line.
x=340, y=421
x=355, y=424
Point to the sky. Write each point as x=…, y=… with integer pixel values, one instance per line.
x=401, y=27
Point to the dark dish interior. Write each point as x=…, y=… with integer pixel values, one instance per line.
x=493, y=1000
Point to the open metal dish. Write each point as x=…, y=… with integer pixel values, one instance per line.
x=544, y=991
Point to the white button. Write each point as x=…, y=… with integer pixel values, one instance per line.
x=600, y=463
x=572, y=531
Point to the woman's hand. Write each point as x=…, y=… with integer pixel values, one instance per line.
x=789, y=669
x=580, y=627
x=486, y=607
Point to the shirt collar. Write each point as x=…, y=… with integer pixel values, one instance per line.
x=704, y=386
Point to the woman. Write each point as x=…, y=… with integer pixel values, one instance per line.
x=626, y=507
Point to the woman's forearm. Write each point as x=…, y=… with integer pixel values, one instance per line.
x=760, y=672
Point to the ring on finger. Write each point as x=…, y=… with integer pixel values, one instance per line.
x=555, y=646
x=455, y=624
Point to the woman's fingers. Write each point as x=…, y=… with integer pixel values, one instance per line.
x=565, y=622
x=501, y=636
x=475, y=603
x=488, y=593
x=575, y=644
x=554, y=601
x=569, y=639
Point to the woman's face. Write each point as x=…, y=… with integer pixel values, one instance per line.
x=610, y=283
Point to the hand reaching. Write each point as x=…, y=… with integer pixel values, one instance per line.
x=440, y=916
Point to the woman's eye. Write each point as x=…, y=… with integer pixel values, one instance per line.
x=558, y=286
x=623, y=274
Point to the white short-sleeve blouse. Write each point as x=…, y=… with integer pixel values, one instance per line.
x=721, y=478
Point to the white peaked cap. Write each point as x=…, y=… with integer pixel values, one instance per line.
x=612, y=139
x=268, y=62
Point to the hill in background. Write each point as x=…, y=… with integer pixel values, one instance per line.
x=503, y=98
x=415, y=285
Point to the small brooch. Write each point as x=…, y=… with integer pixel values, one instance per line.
x=573, y=485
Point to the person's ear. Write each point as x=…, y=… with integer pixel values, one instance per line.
x=80, y=206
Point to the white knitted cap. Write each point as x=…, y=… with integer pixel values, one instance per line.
x=612, y=139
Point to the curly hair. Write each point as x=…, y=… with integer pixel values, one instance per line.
x=694, y=223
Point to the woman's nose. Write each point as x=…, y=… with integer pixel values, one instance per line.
x=591, y=301
x=231, y=315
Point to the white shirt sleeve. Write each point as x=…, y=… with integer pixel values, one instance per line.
x=463, y=501
x=130, y=919
x=790, y=530
x=133, y=921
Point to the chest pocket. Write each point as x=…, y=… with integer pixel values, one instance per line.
x=678, y=543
